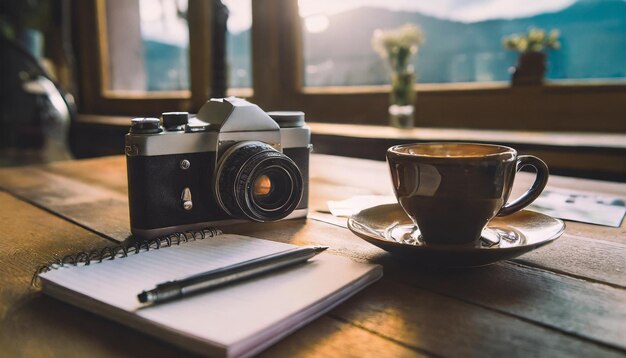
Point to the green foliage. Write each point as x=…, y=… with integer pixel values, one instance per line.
x=402, y=92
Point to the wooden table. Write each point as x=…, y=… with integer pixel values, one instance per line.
x=566, y=299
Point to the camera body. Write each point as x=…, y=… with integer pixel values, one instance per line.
x=231, y=161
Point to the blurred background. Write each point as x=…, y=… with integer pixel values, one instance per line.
x=463, y=40
x=74, y=72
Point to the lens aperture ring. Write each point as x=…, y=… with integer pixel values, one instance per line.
x=290, y=192
x=236, y=176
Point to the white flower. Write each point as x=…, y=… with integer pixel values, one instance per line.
x=389, y=42
x=536, y=35
x=533, y=41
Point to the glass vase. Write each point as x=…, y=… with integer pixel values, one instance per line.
x=401, y=99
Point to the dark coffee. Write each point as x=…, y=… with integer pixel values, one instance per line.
x=451, y=190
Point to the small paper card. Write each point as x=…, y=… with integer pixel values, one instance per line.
x=353, y=205
x=580, y=206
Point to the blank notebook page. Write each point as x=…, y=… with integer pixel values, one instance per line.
x=221, y=317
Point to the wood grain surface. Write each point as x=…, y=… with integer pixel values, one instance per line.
x=567, y=299
x=93, y=207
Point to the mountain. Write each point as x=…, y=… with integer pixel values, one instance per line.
x=166, y=66
x=239, y=49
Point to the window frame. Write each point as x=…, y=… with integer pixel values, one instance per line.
x=278, y=84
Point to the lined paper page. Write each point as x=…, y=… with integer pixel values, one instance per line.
x=227, y=315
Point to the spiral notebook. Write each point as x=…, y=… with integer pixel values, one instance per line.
x=237, y=320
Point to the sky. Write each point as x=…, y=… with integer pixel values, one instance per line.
x=460, y=10
x=161, y=22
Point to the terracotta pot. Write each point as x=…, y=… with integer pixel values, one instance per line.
x=530, y=69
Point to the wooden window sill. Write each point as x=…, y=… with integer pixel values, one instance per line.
x=543, y=138
x=590, y=155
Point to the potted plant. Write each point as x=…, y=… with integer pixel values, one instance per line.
x=532, y=47
x=397, y=47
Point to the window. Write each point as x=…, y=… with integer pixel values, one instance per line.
x=283, y=49
x=151, y=54
x=463, y=39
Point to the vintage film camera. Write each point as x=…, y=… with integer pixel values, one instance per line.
x=231, y=161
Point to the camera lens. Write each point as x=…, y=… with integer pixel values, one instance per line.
x=255, y=181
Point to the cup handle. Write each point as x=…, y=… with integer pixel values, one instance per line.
x=529, y=196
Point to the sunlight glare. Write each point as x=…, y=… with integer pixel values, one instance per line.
x=150, y=10
x=316, y=23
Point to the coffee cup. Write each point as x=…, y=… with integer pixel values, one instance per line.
x=452, y=190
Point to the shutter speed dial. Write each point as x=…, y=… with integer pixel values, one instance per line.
x=145, y=126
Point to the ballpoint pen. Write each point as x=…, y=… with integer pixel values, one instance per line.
x=172, y=290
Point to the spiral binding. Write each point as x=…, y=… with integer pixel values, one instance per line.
x=112, y=252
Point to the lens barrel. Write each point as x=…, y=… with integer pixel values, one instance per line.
x=255, y=181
